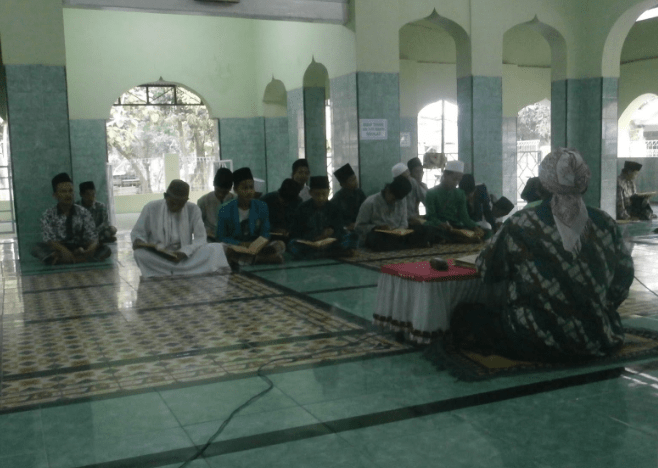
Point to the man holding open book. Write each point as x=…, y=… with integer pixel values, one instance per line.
x=169, y=237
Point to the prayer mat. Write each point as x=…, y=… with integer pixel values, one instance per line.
x=443, y=250
x=472, y=366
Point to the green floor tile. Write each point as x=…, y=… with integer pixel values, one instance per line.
x=319, y=452
x=20, y=434
x=243, y=425
x=360, y=302
x=112, y=417
x=321, y=278
x=210, y=402
x=290, y=264
x=69, y=451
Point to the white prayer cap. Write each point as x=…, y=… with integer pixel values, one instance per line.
x=454, y=166
x=259, y=185
x=399, y=169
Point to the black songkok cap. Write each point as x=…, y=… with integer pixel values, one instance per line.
x=414, y=162
x=467, y=184
x=59, y=178
x=289, y=190
x=89, y=185
x=343, y=173
x=241, y=174
x=504, y=205
x=400, y=187
x=299, y=163
x=632, y=166
x=178, y=189
x=223, y=178
x=532, y=190
x=318, y=182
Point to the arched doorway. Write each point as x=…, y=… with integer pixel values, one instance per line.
x=317, y=121
x=533, y=142
x=438, y=132
x=146, y=124
x=7, y=215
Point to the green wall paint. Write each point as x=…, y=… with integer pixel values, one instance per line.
x=32, y=32
x=110, y=52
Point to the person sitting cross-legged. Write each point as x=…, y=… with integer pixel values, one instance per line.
x=243, y=220
x=282, y=205
x=350, y=197
x=98, y=210
x=387, y=210
x=210, y=203
x=174, y=225
x=68, y=230
x=318, y=219
x=447, y=208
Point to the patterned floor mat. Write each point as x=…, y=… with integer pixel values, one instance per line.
x=105, y=339
x=444, y=250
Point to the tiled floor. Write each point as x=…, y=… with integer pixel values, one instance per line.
x=102, y=370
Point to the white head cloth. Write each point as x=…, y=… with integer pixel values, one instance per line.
x=259, y=185
x=454, y=166
x=565, y=174
x=399, y=169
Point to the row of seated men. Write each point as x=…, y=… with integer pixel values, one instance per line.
x=282, y=217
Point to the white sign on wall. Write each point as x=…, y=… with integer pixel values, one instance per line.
x=374, y=129
x=405, y=139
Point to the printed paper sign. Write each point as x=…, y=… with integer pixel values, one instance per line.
x=405, y=139
x=374, y=129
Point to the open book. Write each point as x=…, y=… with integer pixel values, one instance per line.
x=644, y=194
x=167, y=254
x=396, y=232
x=466, y=261
x=253, y=249
x=464, y=233
x=318, y=244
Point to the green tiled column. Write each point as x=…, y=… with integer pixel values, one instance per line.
x=89, y=155
x=510, y=183
x=277, y=154
x=345, y=122
x=480, y=100
x=558, y=114
x=243, y=141
x=592, y=129
x=295, y=125
x=315, y=140
x=40, y=148
x=378, y=97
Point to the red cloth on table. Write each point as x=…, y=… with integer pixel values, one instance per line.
x=422, y=272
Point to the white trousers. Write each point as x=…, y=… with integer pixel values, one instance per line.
x=208, y=259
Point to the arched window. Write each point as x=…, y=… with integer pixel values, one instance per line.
x=152, y=120
x=638, y=132
x=533, y=131
x=437, y=132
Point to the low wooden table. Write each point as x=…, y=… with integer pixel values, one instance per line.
x=415, y=299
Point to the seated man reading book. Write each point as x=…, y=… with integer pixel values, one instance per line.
x=98, y=210
x=447, y=208
x=350, y=197
x=68, y=230
x=630, y=204
x=210, y=203
x=387, y=211
x=244, y=220
x=282, y=205
x=317, y=222
x=169, y=237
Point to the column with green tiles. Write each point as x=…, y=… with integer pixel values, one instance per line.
x=480, y=101
x=315, y=139
x=378, y=98
x=89, y=155
x=33, y=56
x=242, y=140
x=344, y=126
x=591, y=128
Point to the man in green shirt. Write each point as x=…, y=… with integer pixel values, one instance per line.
x=446, y=206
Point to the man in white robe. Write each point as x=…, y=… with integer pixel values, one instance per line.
x=175, y=225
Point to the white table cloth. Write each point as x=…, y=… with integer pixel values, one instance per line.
x=422, y=309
